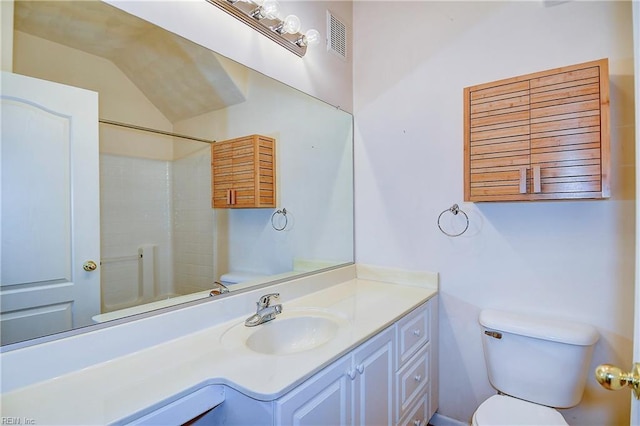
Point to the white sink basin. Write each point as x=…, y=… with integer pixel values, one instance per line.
x=290, y=332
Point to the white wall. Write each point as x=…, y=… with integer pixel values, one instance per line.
x=313, y=180
x=566, y=259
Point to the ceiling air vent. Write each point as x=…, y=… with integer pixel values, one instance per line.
x=337, y=36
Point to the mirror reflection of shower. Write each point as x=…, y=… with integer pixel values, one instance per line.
x=157, y=225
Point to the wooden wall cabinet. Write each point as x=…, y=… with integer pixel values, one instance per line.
x=540, y=136
x=243, y=172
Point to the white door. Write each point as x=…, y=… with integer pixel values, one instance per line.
x=635, y=404
x=50, y=218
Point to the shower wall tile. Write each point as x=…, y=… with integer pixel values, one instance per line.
x=135, y=209
x=193, y=223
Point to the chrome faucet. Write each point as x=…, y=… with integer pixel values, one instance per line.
x=218, y=288
x=266, y=311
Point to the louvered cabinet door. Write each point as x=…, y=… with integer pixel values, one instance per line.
x=539, y=136
x=497, y=133
x=221, y=174
x=569, y=133
x=244, y=183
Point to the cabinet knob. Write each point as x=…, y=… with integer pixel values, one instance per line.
x=418, y=377
x=417, y=422
x=416, y=332
x=360, y=368
x=351, y=374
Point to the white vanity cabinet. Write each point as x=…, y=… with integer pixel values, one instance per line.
x=388, y=380
x=357, y=389
x=414, y=399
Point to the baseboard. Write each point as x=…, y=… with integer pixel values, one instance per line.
x=440, y=420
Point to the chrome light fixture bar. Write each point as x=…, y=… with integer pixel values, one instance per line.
x=262, y=15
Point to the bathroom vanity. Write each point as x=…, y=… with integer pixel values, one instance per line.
x=375, y=358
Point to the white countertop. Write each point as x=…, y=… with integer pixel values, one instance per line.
x=110, y=391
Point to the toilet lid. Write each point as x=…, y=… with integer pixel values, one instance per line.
x=505, y=410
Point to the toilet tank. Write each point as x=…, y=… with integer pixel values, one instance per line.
x=537, y=359
x=237, y=277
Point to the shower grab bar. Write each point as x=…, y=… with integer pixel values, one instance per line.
x=120, y=258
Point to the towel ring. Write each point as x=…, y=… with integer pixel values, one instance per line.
x=455, y=210
x=283, y=212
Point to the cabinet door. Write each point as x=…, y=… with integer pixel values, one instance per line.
x=325, y=399
x=221, y=174
x=373, y=382
x=567, y=124
x=497, y=140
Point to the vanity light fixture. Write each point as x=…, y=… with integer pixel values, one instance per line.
x=264, y=16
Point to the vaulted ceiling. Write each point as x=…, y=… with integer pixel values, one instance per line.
x=181, y=78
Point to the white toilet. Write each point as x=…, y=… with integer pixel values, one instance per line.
x=535, y=363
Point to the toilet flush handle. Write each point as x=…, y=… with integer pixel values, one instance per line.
x=494, y=334
x=612, y=378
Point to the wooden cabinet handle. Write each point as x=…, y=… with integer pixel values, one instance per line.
x=523, y=180
x=537, y=187
x=231, y=197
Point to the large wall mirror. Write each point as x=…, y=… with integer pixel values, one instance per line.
x=161, y=242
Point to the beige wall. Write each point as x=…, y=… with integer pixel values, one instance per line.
x=6, y=35
x=564, y=259
x=119, y=99
x=319, y=73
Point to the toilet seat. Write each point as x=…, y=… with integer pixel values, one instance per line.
x=505, y=410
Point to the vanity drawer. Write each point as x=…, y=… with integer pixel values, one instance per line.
x=412, y=381
x=418, y=415
x=413, y=332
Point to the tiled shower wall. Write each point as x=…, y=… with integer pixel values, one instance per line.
x=193, y=223
x=162, y=203
x=135, y=200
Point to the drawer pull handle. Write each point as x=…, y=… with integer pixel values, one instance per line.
x=360, y=368
x=418, y=377
x=351, y=374
x=416, y=332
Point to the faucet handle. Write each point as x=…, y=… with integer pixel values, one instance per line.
x=265, y=301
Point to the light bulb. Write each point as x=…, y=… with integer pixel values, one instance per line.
x=270, y=9
x=291, y=24
x=311, y=37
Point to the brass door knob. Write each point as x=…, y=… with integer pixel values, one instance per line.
x=612, y=378
x=89, y=266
